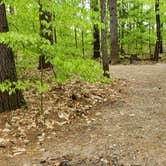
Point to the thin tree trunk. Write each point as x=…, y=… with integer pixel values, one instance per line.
x=140, y=26
x=75, y=35
x=47, y=17
x=104, y=38
x=83, y=44
x=96, y=32
x=54, y=35
x=11, y=9
x=122, y=31
x=54, y=30
x=161, y=41
x=158, y=26
x=82, y=33
x=150, y=50
x=96, y=43
x=122, y=38
x=114, y=31
x=8, y=70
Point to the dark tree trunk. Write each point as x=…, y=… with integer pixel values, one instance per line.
x=75, y=35
x=161, y=46
x=11, y=9
x=46, y=33
x=8, y=70
x=54, y=35
x=158, y=26
x=149, y=42
x=122, y=38
x=82, y=33
x=104, y=38
x=54, y=30
x=114, y=49
x=161, y=41
x=96, y=32
x=96, y=43
x=83, y=43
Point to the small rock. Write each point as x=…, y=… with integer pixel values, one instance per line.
x=3, y=143
x=105, y=161
x=132, y=115
x=98, y=113
x=43, y=161
x=57, y=163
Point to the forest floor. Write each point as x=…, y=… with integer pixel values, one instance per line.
x=127, y=128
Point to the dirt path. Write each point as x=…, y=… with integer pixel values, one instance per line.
x=131, y=131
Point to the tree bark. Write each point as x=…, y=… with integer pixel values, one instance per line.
x=96, y=32
x=83, y=43
x=114, y=49
x=8, y=70
x=96, y=43
x=82, y=33
x=158, y=33
x=122, y=29
x=47, y=33
x=149, y=41
x=161, y=40
x=75, y=36
x=104, y=38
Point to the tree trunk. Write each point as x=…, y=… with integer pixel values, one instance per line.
x=82, y=33
x=149, y=41
x=96, y=43
x=158, y=26
x=47, y=33
x=114, y=31
x=161, y=40
x=122, y=38
x=104, y=38
x=11, y=9
x=54, y=33
x=96, y=32
x=83, y=43
x=8, y=70
x=75, y=36
x=122, y=29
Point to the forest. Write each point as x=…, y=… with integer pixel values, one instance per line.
x=82, y=82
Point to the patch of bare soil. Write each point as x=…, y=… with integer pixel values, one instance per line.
x=130, y=131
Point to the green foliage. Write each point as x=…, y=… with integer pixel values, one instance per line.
x=137, y=25
x=84, y=69
x=11, y=87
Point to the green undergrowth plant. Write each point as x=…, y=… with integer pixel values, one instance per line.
x=84, y=69
x=67, y=68
x=12, y=87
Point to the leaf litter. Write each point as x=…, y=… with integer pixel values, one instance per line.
x=62, y=103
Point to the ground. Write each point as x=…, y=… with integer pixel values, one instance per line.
x=128, y=131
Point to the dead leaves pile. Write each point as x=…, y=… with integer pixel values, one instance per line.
x=61, y=104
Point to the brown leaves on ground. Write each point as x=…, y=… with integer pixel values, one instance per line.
x=61, y=104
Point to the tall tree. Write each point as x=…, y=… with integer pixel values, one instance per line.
x=8, y=69
x=75, y=35
x=122, y=14
x=158, y=31
x=82, y=33
x=96, y=32
x=161, y=40
x=104, y=38
x=46, y=32
x=114, y=49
